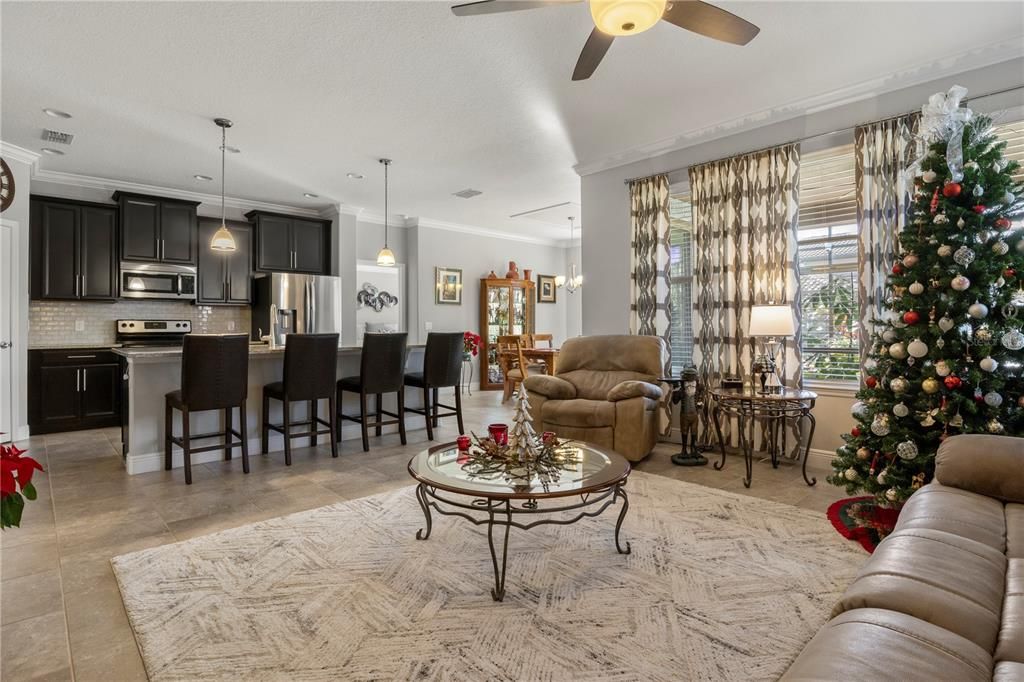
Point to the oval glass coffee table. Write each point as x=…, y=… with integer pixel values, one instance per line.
x=450, y=484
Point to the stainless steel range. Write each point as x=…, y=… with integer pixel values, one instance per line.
x=135, y=333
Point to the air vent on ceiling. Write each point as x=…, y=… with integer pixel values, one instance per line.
x=468, y=193
x=57, y=137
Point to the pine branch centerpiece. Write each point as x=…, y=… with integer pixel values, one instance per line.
x=948, y=358
x=526, y=457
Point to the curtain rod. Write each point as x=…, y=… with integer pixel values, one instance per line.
x=831, y=132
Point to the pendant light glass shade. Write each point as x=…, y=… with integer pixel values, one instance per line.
x=575, y=280
x=386, y=257
x=222, y=239
x=626, y=17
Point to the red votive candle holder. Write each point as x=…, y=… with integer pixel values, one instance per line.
x=499, y=433
x=547, y=437
x=463, y=443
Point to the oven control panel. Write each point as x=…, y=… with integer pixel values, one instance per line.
x=154, y=326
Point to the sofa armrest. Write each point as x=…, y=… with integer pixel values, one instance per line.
x=987, y=465
x=634, y=389
x=550, y=387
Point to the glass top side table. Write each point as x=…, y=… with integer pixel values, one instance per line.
x=775, y=409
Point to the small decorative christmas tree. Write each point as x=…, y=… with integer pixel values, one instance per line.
x=948, y=360
x=523, y=440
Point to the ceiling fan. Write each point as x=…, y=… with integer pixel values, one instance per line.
x=613, y=18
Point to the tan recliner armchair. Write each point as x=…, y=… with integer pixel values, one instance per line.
x=605, y=392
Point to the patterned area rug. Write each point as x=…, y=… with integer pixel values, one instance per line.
x=719, y=587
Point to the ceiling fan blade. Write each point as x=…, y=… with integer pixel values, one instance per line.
x=494, y=6
x=592, y=54
x=710, y=21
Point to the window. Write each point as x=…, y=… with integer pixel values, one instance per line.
x=681, y=280
x=1013, y=135
x=827, y=244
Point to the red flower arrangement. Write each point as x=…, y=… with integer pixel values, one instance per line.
x=471, y=343
x=15, y=472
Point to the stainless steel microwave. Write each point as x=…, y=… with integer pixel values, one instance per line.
x=158, y=280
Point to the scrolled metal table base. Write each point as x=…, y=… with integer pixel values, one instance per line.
x=501, y=513
x=776, y=413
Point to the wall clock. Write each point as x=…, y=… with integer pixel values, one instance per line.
x=6, y=186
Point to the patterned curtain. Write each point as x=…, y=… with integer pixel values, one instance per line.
x=883, y=151
x=745, y=222
x=650, y=308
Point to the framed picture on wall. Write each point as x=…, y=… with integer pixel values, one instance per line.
x=546, y=289
x=448, y=285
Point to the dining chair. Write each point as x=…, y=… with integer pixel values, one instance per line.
x=513, y=364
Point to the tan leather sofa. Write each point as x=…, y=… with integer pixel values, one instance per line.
x=942, y=598
x=605, y=392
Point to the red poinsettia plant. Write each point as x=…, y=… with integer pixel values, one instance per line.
x=471, y=343
x=15, y=483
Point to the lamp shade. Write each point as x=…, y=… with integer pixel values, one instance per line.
x=386, y=257
x=771, y=320
x=222, y=239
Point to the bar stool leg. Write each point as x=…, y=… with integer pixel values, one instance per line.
x=437, y=400
x=265, y=426
x=333, y=418
x=287, y=433
x=186, y=445
x=458, y=408
x=401, y=414
x=168, y=432
x=339, y=400
x=244, y=437
x=379, y=404
x=427, y=413
x=362, y=421
x=312, y=423
x=227, y=434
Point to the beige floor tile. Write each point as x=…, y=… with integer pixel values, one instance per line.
x=35, y=649
x=108, y=529
x=85, y=570
x=96, y=618
x=117, y=661
x=30, y=596
x=203, y=525
x=29, y=558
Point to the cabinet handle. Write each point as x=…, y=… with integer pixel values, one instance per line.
x=78, y=381
x=82, y=277
x=163, y=249
x=80, y=357
x=85, y=379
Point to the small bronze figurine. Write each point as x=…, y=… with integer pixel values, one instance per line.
x=688, y=392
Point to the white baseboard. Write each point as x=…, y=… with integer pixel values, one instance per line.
x=142, y=463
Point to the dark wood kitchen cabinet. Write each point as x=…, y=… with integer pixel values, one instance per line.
x=72, y=389
x=225, y=278
x=284, y=243
x=73, y=249
x=158, y=229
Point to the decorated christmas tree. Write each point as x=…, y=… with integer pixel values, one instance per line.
x=523, y=439
x=947, y=358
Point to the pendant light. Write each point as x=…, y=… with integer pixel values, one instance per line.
x=386, y=256
x=222, y=238
x=574, y=281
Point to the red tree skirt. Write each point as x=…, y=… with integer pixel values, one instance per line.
x=863, y=520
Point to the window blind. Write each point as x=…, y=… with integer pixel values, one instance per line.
x=1013, y=135
x=828, y=189
x=681, y=279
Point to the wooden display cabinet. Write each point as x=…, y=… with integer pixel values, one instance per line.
x=506, y=307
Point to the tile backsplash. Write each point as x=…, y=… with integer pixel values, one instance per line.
x=52, y=323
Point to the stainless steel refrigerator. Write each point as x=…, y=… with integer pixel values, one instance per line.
x=295, y=304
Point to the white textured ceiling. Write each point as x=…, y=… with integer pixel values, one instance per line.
x=321, y=89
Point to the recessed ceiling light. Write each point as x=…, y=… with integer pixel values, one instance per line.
x=233, y=150
x=56, y=113
x=310, y=195
x=52, y=152
x=204, y=178
x=354, y=176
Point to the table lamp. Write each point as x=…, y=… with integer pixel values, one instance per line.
x=771, y=324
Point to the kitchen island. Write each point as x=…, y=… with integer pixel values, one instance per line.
x=152, y=372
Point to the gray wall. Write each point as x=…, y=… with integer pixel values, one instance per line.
x=606, y=200
x=370, y=239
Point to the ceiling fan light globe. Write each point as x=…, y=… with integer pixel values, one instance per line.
x=386, y=258
x=626, y=17
x=223, y=240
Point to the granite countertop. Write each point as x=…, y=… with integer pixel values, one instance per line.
x=73, y=346
x=255, y=349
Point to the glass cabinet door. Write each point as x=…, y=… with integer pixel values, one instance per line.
x=497, y=325
x=518, y=311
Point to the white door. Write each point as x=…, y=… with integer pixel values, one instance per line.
x=7, y=303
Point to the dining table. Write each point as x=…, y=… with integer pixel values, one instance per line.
x=546, y=356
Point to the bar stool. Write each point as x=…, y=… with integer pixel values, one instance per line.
x=381, y=370
x=442, y=365
x=214, y=376
x=310, y=373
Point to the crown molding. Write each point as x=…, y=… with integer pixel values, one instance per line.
x=93, y=182
x=20, y=154
x=482, y=232
x=949, y=65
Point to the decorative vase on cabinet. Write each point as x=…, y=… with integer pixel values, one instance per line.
x=506, y=307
